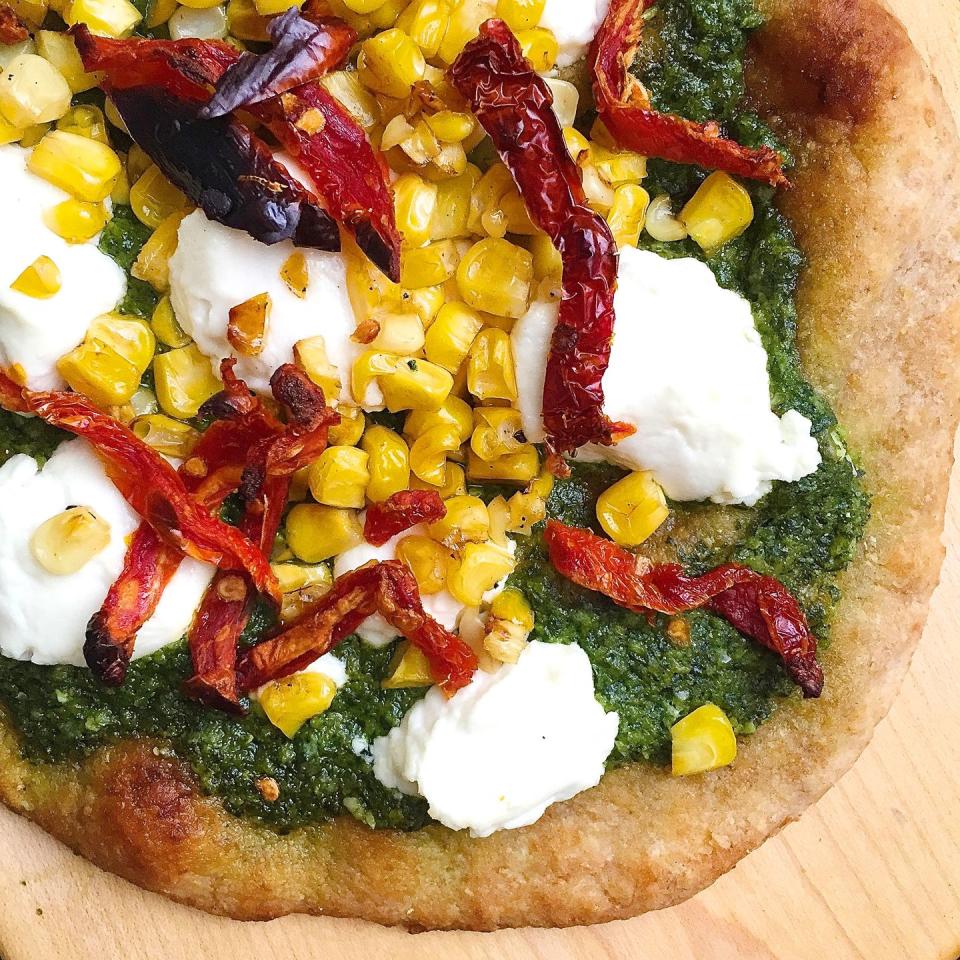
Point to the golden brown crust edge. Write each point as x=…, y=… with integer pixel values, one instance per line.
x=874, y=207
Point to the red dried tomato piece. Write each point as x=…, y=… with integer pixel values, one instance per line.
x=400, y=512
x=625, y=108
x=758, y=606
x=12, y=29
x=515, y=106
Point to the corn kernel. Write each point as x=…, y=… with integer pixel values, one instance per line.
x=85, y=120
x=340, y=476
x=521, y=14
x=519, y=467
x=415, y=385
x=316, y=533
x=566, y=100
x=61, y=51
x=113, y=116
x=184, y=381
x=540, y=47
x=109, y=18
x=386, y=15
x=354, y=96
x=295, y=273
x=245, y=22
x=482, y=566
x=451, y=126
x=83, y=167
x=466, y=520
x=138, y=162
x=311, y=356
x=465, y=20
x=144, y=402
x=526, y=510
x=491, y=374
x=398, y=333
x=425, y=302
x=32, y=91
x=40, y=281
x=32, y=12
x=430, y=265
x=208, y=4
x=486, y=197
x=452, y=411
x=452, y=212
x=270, y=8
x=390, y=63
x=427, y=560
x=166, y=435
x=388, y=463
x=627, y=214
x=546, y=258
x=349, y=430
x=69, y=540
x=289, y=703
x=408, y=668
x=511, y=604
x=451, y=335
x=8, y=132
x=660, y=222
x=598, y=192
x=428, y=454
x=425, y=22
x=498, y=431
x=165, y=326
x=294, y=577
x=153, y=198
x=33, y=135
x=718, y=212
x=504, y=640
x=515, y=215
x=702, y=740
x=494, y=276
x=247, y=325
x=208, y=23
x=159, y=12
x=632, y=509
x=416, y=202
x=577, y=144
x=617, y=167
x=153, y=262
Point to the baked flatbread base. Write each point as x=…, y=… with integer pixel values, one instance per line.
x=875, y=208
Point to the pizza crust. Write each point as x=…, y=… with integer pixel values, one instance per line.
x=875, y=211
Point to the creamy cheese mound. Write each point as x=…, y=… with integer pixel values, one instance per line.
x=43, y=616
x=689, y=371
x=36, y=333
x=496, y=754
x=574, y=23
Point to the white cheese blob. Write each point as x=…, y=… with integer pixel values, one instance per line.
x=43, y=616
x=36, y=333
x=574, y=23
x=498, y=752
x=215, y=268
x=689, y=371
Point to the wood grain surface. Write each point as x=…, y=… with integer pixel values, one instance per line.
x=872, y=871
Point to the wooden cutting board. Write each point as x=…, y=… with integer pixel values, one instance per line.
x=872, y=871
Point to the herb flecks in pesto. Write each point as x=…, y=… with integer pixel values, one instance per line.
x=122, y=240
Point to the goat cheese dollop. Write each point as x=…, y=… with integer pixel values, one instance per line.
x=689, y=371
x=574, y=23
x=43, y=616
x=36, y=333
x=498, y=752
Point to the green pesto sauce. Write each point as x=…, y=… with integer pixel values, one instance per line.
x=804, y=533
x=121, y=240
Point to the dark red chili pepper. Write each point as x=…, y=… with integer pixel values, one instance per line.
x=514, y=105
x=12, y=29
x=758, y=606
x=388, y=588
x=625, y=108
x=400, y=512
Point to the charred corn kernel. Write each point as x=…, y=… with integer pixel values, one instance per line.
x=451, y=126
x=425, y=22
x=415, y=385
x=32, y=90
x=153, y=262
x=429, y=266
x=540, y=47
x=247, y=325
x=61, y=51
x=113, y=115
x=289, y=703
x=494, y=276
x=354, y=96
x=577, y=144
x=519, y=467
x=632, y=509
x=83, y=167
x=109, y=18
x=166, y=435
x=598, y=192
x=521, y=14
x=703, y=740
x=388, y=462
x=85, y=120
x=504, y=640
x=452, y=211
x=425, y=302
x=453, y=410
x=390, y=63
x=566, y=100
x=481, y=567
x=184, y=381
x=408, y=668
x=296, y=576
x=416, y=202
x=546, y=258
x=491, y=374
x=400, y=333
x=245, y=22
x=427, y=560
x=526, y=510
x=497, y=431
x=451, y=161
x=466, y=520
x=627, y=214
x=451, y=335
x=310, y=355
x=316, y=533
x=511, y=604
x=153, y=198
x=465, y=19
x=165, y=326
x=339, y=477
x=41, y=280
x=618, y=166
x=295, y=273
x=159, y=12
x=499, y=520
x=349, y=430
x=428, y=454
x=486, y=196
x=718, y=212
x=660, y=222
x=68, y=541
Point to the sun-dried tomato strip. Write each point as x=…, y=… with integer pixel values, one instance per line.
x=758, y=606
x=515, y=106
x=386, y=588
x=12, y=29
x=625, y=108
x=400, y=512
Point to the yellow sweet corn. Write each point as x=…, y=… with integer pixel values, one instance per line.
x=316, y=532
x=578, y=146
x=465, y=20
x=85, y=120
x=451, y=126
x=452, y=212
x=408, y=668
x=491, y=374
x=153, y=262
x=138, y=162
x=8, y=132
x=349, y=430
x=566, y=100
x=540, y=47
x=159, y=12
x=632, y=509
x=339, y=477
x=416, y=202
x=430, y=265
x=718, y=212
x=289, y=703
x=481, y=567
x=452, y=411
x=247, y=325
x=660, y=222
x=109, y=18
x=295, y=273
x=153, y=198
x=425, y=22
x=346, y=86
x=32, y=91
x=76, y=221
x=427, y=559
x=511, y=604
x=297, y=576
x=497, y=431
x=627, y=213
x=504, y=640
x=165, y=326
x=310, y=355
x=113, y=115
x=520, y=467
x=466, y=520
x=386, y=15
x=494, y=276
x=32, y=12
x=388, y=462
x=428, y=454
x=411, y=384
x=246, y=22
x=85, y=168
x=40, y=281
x=617, y=167
x=69, y=540
x=486, y=198
x=390, y=63
x=33, y=135
x=546, y=257
x=120, y=194
x=399, y=333
x=527, y=508
x=598, y=192
x=166, y=435
x=499, y=520
x=521, y=14
x=702, y=740
x=454, y=483
x=184, y=381
x=451, y=335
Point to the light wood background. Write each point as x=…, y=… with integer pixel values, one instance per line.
x=872, y=871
